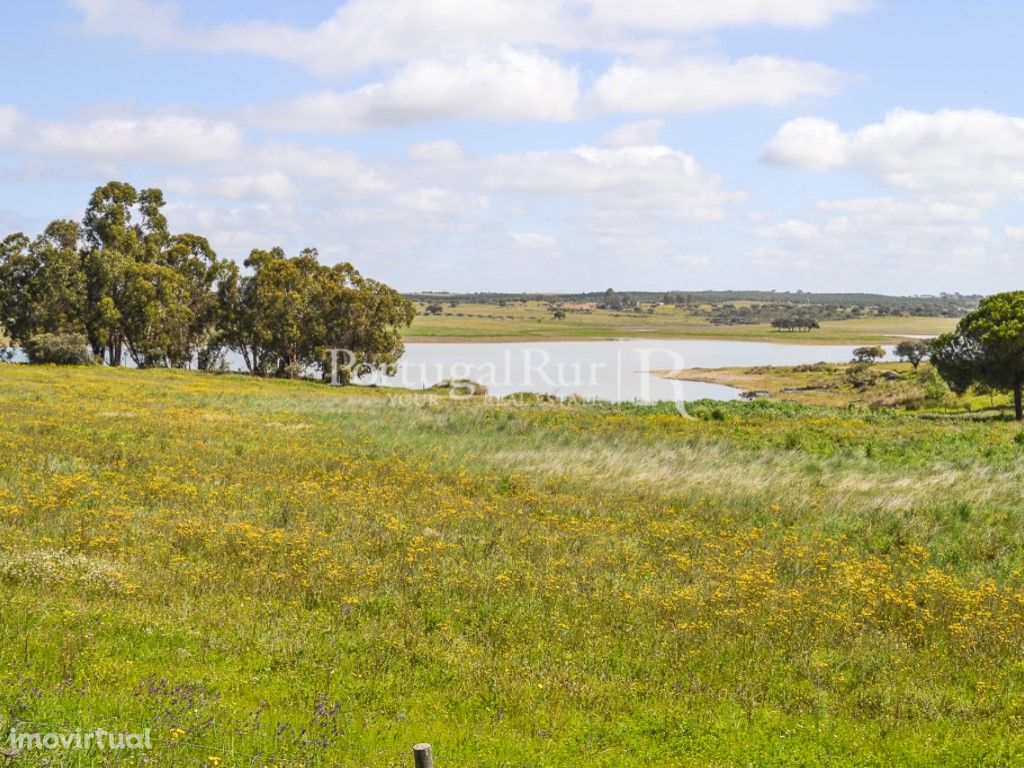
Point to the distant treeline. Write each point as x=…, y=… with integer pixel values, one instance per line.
x=756, y=306
x=120, y=284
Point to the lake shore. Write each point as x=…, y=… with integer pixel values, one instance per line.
x=886, y=385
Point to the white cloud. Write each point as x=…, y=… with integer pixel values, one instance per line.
x=10, y=117
x=701, y=15
x=437, y=200
x=641, y=134
x=152, y=138
x=149, y=22
x=590, y=170
x=511, y=84
x=437, y=151
x=810, y=143
x=792, y=230
x=883, y=235
x=258, y=186
x=949, y=152
x=405, y=61
x=547, y=209
x=534, y=241
x=364, y=33
x=343, y=171
x=699, y=85
x=506, y=85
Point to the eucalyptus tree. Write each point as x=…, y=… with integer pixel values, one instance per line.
x=42, y=286
x=150, y=292
x=287, y=313
x=117, y=233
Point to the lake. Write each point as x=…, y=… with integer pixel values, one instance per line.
x=617, y=370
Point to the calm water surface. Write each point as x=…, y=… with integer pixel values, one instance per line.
x=616, y=370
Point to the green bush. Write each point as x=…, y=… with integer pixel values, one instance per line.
x=935, y=389
x=59, y=349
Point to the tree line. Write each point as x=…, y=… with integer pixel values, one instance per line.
x=794, y=324
x=126, y=287
x=766, y=304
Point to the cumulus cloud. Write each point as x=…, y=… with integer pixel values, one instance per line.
x=882, y=235
x=627, y=196
x=437, y=200
x=809, y=143
x=149, y=22
x=149, y=138
x=699, y=15
x=650, y=182
x=977, y=152
x=437, y=151
x=534, y=240
x=496, y=59
x=700, y=85
x=365, y=33
x=506, y=85
x=10, y=116
x=272, y=185
x=639, y=134
x=511, y=84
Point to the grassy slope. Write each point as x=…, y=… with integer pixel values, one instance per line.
x=330, y=576
x=829, y=384
x=489, y=322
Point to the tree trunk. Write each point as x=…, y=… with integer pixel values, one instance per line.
x=1018, y=406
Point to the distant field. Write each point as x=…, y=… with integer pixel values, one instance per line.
x=533, y=320
x=274, y=573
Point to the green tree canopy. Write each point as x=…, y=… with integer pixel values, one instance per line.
x=987, y=348
x=131, y=286
x=868, y=354
x=913, y=350
x=288, y=313
x=42, y=287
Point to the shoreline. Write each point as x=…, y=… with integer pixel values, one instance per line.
x=881, y=339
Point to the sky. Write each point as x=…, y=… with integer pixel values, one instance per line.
x=541, y=145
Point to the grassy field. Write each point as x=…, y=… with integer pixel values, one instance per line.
x=281, y=573
x=532, y=320
x=881, y=385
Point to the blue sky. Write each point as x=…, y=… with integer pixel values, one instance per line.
x=541, y=145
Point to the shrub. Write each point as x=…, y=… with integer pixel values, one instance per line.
x=860, y=375
x=462, y=387
x=814, y=368
x=935, y=389
x=59, y=349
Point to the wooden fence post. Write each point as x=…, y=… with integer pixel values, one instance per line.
x=423, y=755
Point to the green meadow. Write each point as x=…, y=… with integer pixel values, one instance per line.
x=269, y=572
